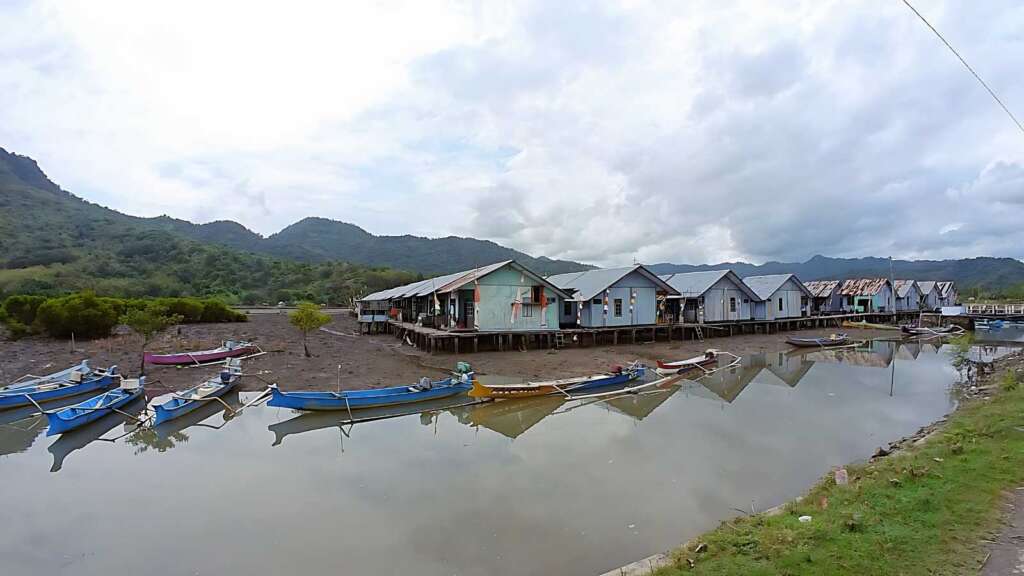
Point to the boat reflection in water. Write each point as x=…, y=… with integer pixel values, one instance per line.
x=171, y=433
x=81, y=437
x=310, y=421
x=513, y=417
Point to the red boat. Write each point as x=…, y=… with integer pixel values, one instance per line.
x=229, y=349
x=678, y=367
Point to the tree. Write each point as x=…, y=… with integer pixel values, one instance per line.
x=148, y=322
x=307, y=318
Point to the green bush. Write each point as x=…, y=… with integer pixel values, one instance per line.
x=217, y=311
x=190, y=309
x=21, y=309
x=15, y=329
x=84, y=315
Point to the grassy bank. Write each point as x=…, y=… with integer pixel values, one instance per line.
x=926, y=509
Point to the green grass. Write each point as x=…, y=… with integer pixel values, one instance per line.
x=924, y=510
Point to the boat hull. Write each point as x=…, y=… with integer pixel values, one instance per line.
x=179, y=407
x=358, y=399
x=529, y=390
x=20, y=397
x=201, y=358
x=70, y=418
x=817, y=342
x=670, y=368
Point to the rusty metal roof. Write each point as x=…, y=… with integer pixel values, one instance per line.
x=863, y=286
x=822, y=288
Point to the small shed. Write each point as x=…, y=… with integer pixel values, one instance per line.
x=862, y=295
x=712, y=296
x=627, y=296
x=908, y=295
x=825, y=296
x=779, y=296
x=929, y=294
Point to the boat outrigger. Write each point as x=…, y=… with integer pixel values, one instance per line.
x=425, y=389
x=618, y=375
x=823, y=342
x=229, y=349
x=94, y=408
x=925, y=331
x=71, y=382
x=683, y=366
x=188, y=400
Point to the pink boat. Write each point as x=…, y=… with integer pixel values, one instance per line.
x=229, y=349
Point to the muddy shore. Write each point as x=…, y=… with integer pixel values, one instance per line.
x=365, y=361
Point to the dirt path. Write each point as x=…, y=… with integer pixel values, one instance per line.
x=1007, y=554
x=365, y=361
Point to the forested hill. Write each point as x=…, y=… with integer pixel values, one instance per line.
x=992, y=274
x=53, y=242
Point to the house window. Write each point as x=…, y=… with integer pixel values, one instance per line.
x=567, y=308
x=732, y=304
x=537, y=293
x=527, y=310
x=746, y=300
x=618, y=307
x=596, y=301
x=780, y=304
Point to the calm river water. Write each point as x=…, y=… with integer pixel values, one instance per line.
x=517, y=487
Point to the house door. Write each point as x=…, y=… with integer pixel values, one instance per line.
x=467, y=314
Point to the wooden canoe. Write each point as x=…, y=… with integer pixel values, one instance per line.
x=528, y=389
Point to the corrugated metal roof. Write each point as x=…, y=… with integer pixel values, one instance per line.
x=590, y=283
x=944, y=288
x=903, y=287
x=926, y=286
x=765, y=286
x=822, y=288
x=863, y=286
x=692, y=284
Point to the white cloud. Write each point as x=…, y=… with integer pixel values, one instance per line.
x=596, y=131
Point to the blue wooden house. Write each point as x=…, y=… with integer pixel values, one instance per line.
x=628, y=296
x=779, y=296
x=711, y=296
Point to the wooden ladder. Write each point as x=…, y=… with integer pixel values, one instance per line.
x=559, y=340
x=700, y=333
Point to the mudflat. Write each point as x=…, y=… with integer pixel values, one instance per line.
x=365, y=361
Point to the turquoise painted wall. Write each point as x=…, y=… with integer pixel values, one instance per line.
x=498, y=291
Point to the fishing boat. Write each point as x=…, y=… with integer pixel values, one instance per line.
x=94, y=408
x=31, y=380
x=823, y=342
x=923, y=331
x=682, y=366
x=985, y=324
x=356, y=399
x=618, y=375
x=229, y=349
x=63, y=384
x=186, y=401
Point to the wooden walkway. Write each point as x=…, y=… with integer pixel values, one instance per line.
x=464, y=341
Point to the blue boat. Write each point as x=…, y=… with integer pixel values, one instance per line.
x=355, y=399
x=618, y=375
x=75, y=382
x=94, y=408
x=184, y=402
x=82, y=367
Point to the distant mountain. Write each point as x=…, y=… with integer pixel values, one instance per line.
x=40, y=224
x=986, y=273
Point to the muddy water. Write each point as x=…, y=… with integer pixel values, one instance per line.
x=538, y=486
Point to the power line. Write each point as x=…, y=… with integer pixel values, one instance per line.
x=968, y=66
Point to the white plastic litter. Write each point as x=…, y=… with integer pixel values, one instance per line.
x=805, y=519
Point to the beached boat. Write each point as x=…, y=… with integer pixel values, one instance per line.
x=356, y=399
x=823, y=342
x=229, y=349
x=32, y=380
x=526, y=389
x=71, y=382
x=188, y=400
x=94, y=408
x=924, y=331
x=682, y=366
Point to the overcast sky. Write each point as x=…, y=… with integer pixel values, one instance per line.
x=602, y=132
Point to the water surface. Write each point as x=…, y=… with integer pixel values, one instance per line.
x=537, y=486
